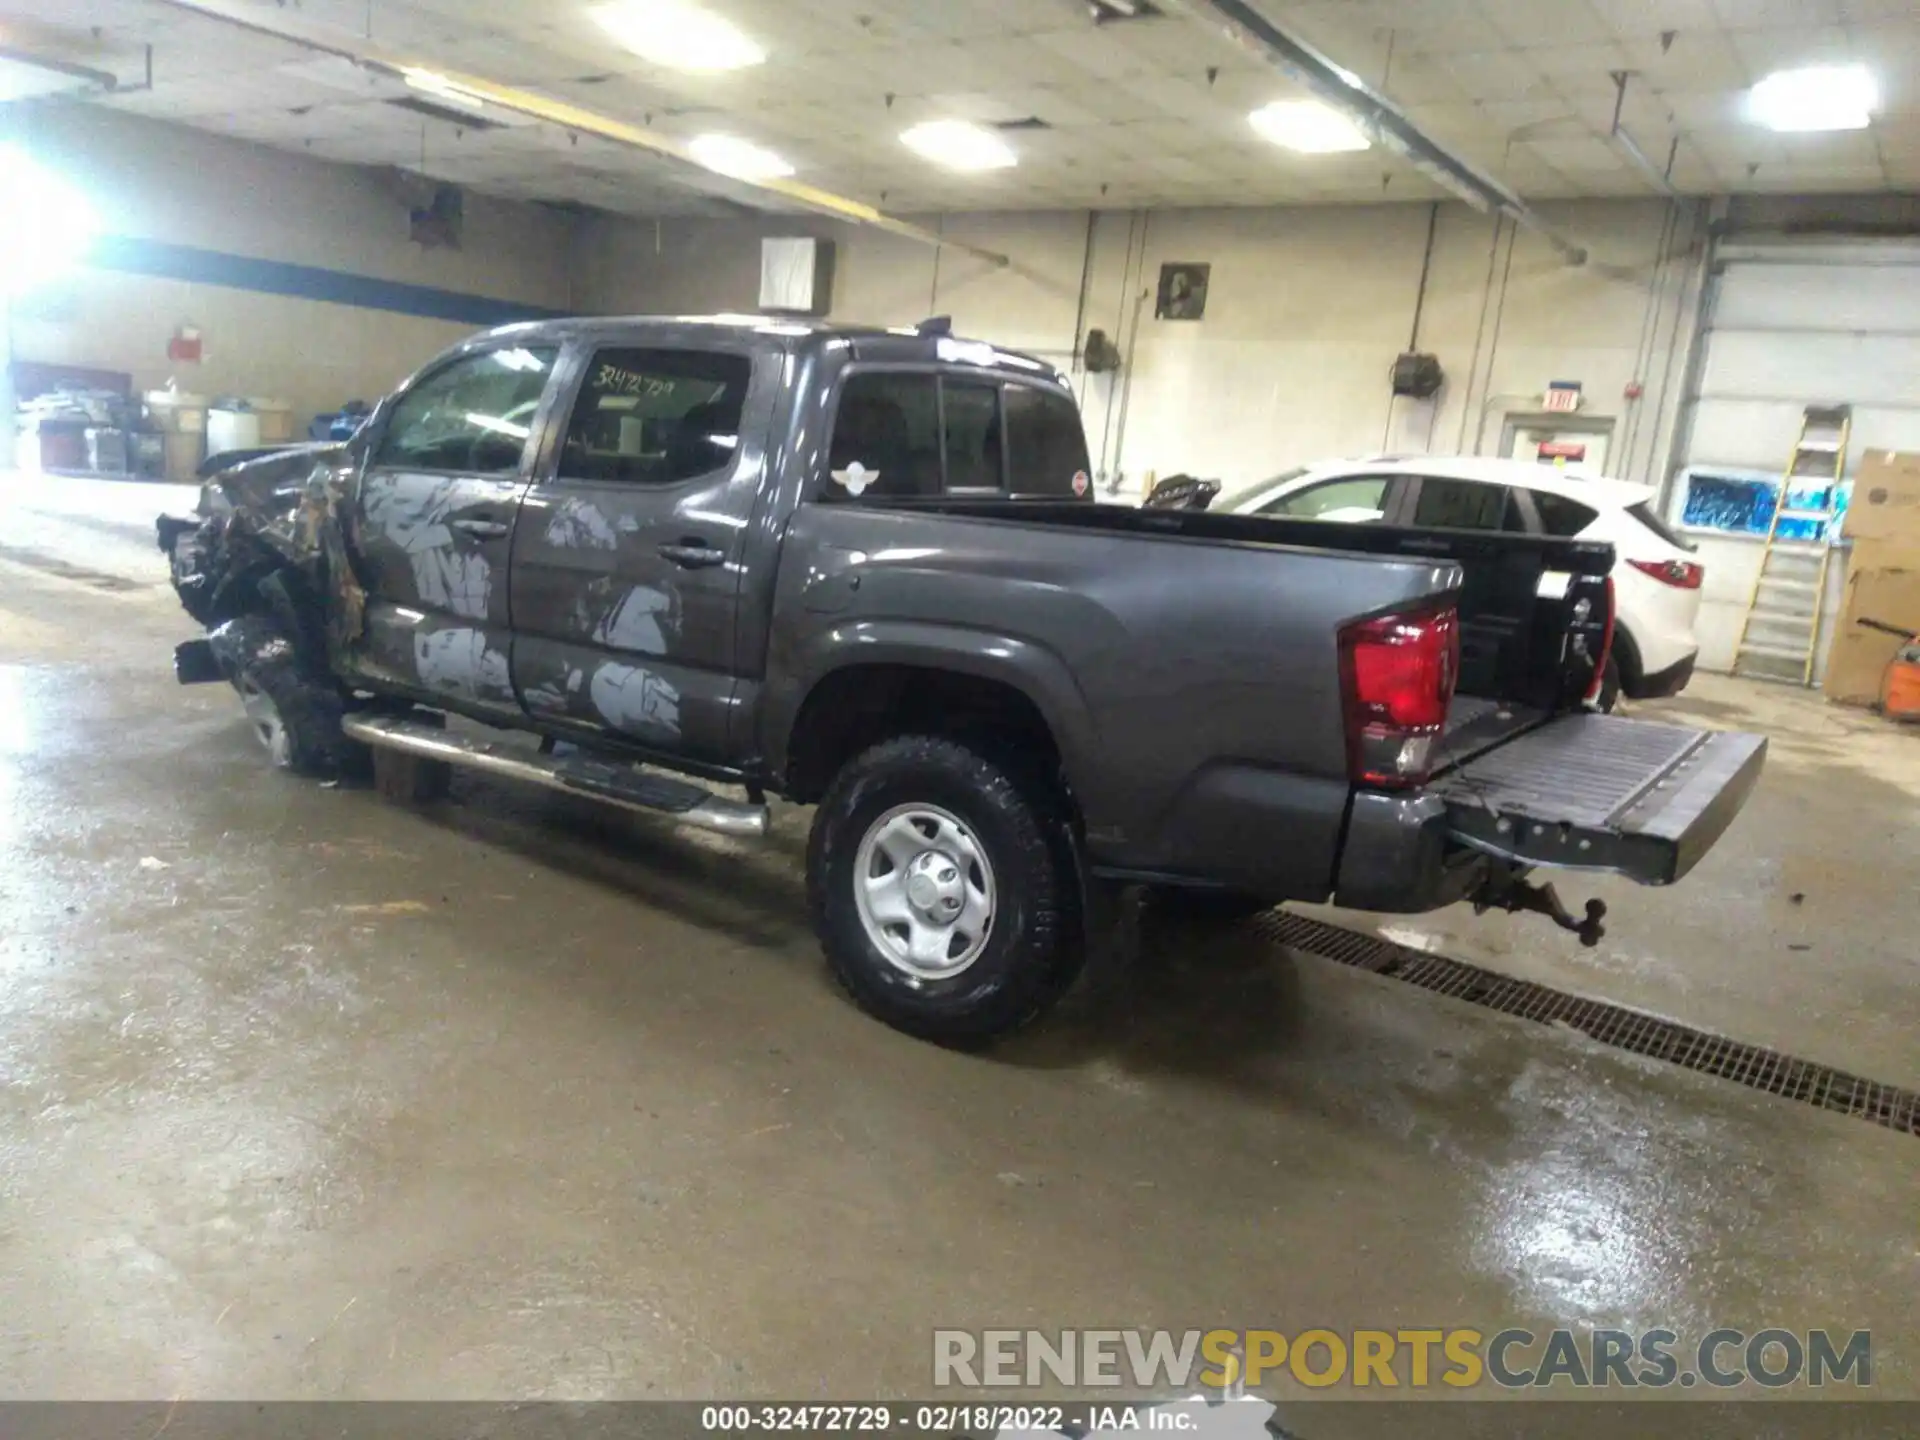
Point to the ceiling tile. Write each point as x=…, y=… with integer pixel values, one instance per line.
x=1651, y=17
x=1745, y=14
x=1153, y=111
x=1527, y=22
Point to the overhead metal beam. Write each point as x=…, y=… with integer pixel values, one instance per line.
x=1373, y=112
x=282, y=24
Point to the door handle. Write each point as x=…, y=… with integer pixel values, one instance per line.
x=693, y=555
x=480, y=529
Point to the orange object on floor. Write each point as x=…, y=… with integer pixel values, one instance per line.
x=1901, y=697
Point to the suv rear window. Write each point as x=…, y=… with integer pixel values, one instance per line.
x=1649, y=517
x=1561, y=516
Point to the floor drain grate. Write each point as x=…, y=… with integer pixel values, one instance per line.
x=1757, y=1068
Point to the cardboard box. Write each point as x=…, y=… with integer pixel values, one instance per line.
x=184, y=454
x=1883, y=583
x=177, y=412
x=1886, y=498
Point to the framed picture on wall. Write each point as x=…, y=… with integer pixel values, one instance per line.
x=1734, y=501
x=1183, y=291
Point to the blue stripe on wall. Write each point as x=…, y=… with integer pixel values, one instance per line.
x=304, y=282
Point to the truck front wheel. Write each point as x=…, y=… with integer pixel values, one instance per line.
x=941, y=892
x=295, y=715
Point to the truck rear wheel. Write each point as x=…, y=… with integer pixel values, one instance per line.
x=940, y=891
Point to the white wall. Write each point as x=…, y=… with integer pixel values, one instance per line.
x=168, y=183
x=1307, y=309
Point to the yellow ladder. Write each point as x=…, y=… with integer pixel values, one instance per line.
x=1780, y=633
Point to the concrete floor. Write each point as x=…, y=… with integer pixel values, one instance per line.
x=307, y=1095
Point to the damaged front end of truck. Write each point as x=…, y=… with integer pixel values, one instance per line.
x=264, y=566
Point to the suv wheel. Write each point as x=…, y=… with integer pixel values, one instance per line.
x=941, y=892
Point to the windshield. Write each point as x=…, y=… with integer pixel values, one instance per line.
x=1234, y=500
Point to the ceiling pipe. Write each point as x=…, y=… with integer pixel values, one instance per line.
x=280, y=24
x=1377, y=115
x=1623, y=142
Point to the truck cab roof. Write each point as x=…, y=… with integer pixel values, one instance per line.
x=930, y=343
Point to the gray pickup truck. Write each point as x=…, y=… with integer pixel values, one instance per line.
x=861, y=569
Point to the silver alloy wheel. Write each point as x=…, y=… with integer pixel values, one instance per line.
x=924, y=890
x=264, y=716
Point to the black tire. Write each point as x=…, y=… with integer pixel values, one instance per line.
x=1205, y=906
x=1031, y=950
x=1609, y=695
x=294, y=713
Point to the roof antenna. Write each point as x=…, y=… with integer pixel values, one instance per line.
x=936, y=325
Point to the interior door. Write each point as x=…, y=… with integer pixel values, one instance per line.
x=1548, y=442
x=627, y=556
x=433, y=521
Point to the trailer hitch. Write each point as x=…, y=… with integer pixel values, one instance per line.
x=1505, y=890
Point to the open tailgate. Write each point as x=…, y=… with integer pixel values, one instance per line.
x=1601, y=792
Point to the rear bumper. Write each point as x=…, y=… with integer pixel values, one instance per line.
x=1400, y=856
x=1670, y=681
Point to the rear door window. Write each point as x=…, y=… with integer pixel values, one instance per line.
x=1046, y=444
x=656, y=417
x=886, y=436
x=1467, y=505
x=1362, y=498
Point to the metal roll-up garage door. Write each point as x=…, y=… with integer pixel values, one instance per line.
x=1791, y=324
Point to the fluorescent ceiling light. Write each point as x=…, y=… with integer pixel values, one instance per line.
x=677, y=34
x=1820, y=97
x=497, y=425
x=960, y=145
x=741, y=159
x=1309, y=126
x=432, y=82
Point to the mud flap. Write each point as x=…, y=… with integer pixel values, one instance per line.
x=1602, y=792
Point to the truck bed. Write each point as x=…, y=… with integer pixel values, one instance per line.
x=1522, y=598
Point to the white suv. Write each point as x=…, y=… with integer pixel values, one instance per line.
x=1656, y=578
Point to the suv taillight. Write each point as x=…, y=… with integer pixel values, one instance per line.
x=1681, y=574
x=1399, y=672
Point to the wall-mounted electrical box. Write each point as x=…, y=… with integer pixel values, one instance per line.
x=796, y=275
x=1417, y=374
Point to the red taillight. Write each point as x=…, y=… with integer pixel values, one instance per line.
x=1399, y=672
x=1681, y=574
